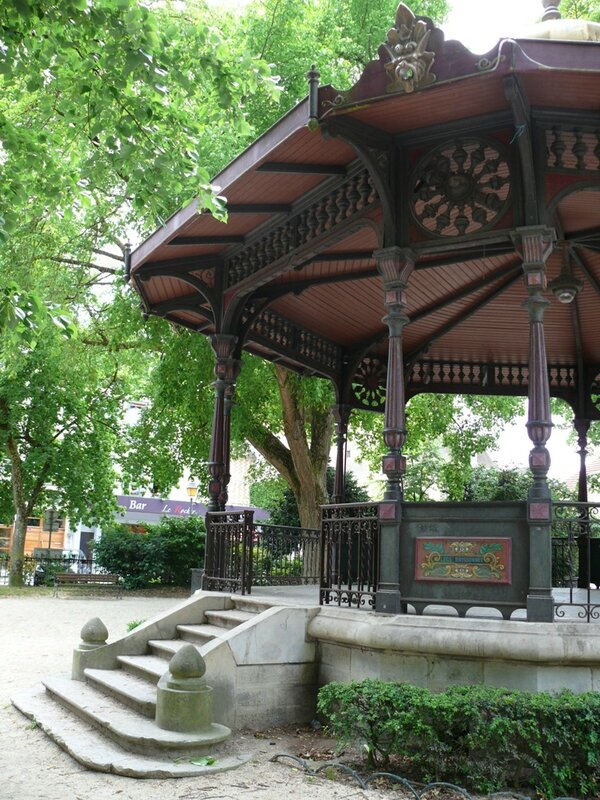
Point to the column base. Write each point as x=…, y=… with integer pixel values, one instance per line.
x=388, y=601
x=540, y=608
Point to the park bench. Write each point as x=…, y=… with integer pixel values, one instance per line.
x=66, y=580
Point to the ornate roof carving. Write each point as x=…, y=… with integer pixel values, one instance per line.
x=409, y=62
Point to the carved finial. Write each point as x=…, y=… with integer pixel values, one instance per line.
x=313, y=76
x=93, y=633
x=406, y=44
x=187, y=663
x=550, y=10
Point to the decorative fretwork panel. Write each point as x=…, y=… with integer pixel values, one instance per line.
x=459, y=377
x=368, y=384
x=450, y=373
x=595, y=393
x=571, y=148
x=300, y=344
x=462, y=187
x=355, y=194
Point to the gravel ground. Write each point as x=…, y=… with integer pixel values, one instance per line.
x=37, y=635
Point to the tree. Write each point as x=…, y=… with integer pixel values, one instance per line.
x=489, y=484
x=59, y=424
x=109, y=115
x=581, y=9
x=444, y=433
x=281, y=503
x=110, y=108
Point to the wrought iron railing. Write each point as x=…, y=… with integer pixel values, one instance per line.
x=40, y=571
x=576, y=560
x=228, y=537
x=349, y=554
x=241, y=554
x=284, y=556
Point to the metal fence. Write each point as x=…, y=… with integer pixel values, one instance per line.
x=40, y=571
x=349, y=555
x=576, y=560
x=241, y=554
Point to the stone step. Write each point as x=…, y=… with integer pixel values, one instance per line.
x=228, y=619
x=200, y=634
x=166, y=648
x=150, y=668
x=93, y=750
x=134, y=692
x=250, y=605
x=129, y=730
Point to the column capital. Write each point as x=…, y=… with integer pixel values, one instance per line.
x=534, y=243
x=223, y=345
x=227, y=367
x=395, y=264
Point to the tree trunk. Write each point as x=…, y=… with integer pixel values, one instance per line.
x=17, y=550
x=303, y=463
x=23, y=510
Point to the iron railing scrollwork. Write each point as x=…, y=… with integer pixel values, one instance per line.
x=228, y=541
x=349, y=555
x=241, y=554
x=576, y=560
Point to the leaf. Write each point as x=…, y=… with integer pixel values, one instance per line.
x=206, y=761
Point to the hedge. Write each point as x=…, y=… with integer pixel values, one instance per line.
x=479, y=737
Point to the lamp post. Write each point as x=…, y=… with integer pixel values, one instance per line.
x=192, y=490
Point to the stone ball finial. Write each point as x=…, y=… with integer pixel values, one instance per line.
x=187, y=663
x=94, y=632
x=550, y=10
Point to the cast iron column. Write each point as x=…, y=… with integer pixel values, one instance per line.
x=341, y=414
x=223, y=346
x=232, y=371
x=395, y=265
x=535, y=244
x=582, y=427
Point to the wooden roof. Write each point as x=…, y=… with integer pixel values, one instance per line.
x=292, y=271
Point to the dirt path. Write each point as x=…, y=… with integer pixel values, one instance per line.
x=37, y=636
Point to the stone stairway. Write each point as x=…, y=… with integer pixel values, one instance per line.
x=106, y=721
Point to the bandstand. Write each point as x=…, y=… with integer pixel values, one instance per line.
x=456, y=196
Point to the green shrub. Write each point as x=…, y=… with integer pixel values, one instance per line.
x=482, y=738
x=162, y=555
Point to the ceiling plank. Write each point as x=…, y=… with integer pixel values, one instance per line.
x=291, y=168
x=198, y=240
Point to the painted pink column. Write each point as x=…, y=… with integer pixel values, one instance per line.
x=535, y=244
x=223, y=346
x=395, y=265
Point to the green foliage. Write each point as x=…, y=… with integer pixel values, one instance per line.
x=444, y=433
x=339, y=36
x=283, y=508
x=491, y=484
x=102, y=102
x=164, y=554
x=483, y=738
x=23, y=317
x=60, y=408
x=133, y=624
x=581, y=9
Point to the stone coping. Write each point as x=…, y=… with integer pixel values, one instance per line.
x=575, y=643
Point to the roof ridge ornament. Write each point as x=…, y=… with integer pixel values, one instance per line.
x=410, y=61
x=551, y=10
